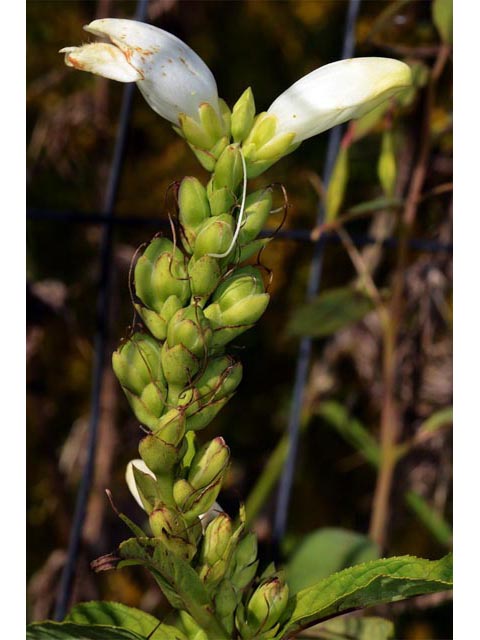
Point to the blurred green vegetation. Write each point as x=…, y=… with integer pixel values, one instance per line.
x=71, y=127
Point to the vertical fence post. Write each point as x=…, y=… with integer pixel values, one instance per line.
x=100, y=342
x=305, y=348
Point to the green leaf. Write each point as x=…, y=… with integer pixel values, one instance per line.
x=352, y=628
x=430, y=518
x=376, y=205
x=337, y=185
x=179, y=582
x=327, y=551
x=329, y=312
x=365, y=585
x=119, y=615
x=351, y=430
x=71, y=631
x=438, y=420
x=442, y=13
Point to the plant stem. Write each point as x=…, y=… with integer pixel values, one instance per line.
x=390, y=423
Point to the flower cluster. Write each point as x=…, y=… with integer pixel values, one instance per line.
x=194, y=298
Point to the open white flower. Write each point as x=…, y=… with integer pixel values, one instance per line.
x=205, y=518
x=172, y=77
x=335, y=93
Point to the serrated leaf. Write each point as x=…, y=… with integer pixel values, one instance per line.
x=119, y=615
x=327, y=551
x=329, y=312
x=365, y=585
x=350, y=628
x=71, y=631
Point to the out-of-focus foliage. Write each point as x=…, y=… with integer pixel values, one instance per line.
x=71, y=127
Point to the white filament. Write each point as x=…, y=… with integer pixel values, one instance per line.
x=240, y=215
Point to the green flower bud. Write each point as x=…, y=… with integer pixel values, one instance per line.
x=209, y=462
x=262, y=131
x=205, y=274
x=266, y=605
x=215, y=235
x=170, y=527
x=179, y=365
x=206, y=158
x=229, y=169
x=243, y=115
x=195, y=133
x=164, y=448
x=211, y=392
x=160, y=273
x=211, y=122
x=226, y=116
x=137, y=365
x=193, y=208
x=237, y=304
x=263, y=147
x=182, y=490
x=216, y=539
x=188, y=338
x=202, y=500
x=251, y=248
x=221, y=200
x=189, y=328
x=200, y=418
x=156, y=322
x=257, y=209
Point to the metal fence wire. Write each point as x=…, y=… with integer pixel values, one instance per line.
x=107, y=220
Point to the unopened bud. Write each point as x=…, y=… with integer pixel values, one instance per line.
x=216, y=539
x=229, y=169
x=170, y=527
x=221, y=200
x=157, y=322
x=160, y=273
x=193, y=208
x=205, y=274
x=243, y=115
x=237, y=304
x=209, y=462
x=189, y=328
x=215, y=235
x=266, y=605
x=137, y=365
x=163, y=449
x=257, y=210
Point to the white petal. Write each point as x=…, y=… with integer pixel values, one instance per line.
x=102, y=59
x=174, y=79
x=336, y=93
x=130, y=478
x=206, y=518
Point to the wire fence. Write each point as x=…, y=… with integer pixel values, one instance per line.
x=108, y=221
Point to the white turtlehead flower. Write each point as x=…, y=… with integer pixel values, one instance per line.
x=335, y=93
x=139, y=464
x=172, y=77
